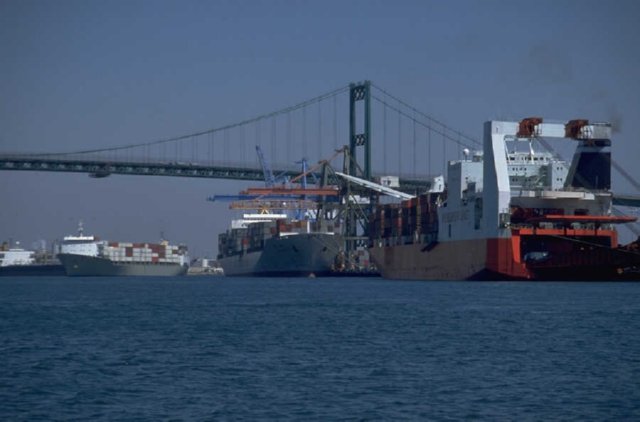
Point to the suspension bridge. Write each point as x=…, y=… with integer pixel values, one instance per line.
x=386, y=136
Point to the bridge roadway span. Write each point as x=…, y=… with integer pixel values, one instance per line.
x=101, y=168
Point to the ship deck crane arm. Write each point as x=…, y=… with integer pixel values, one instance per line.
x=376, y=187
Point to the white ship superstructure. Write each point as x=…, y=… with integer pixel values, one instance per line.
x=81, y=244
x=16, y=256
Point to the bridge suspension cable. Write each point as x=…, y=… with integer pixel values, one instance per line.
x=626, y=175
x=225, y=128
x=426, y=116
x=443, y=130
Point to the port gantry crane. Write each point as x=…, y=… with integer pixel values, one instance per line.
x=336, y=195
x=280, y=192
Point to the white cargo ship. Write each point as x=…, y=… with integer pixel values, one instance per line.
x=16, y=261
x=89, y=256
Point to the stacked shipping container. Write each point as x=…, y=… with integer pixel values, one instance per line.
x=253, y=236
x=143, y=252
x=411, y=221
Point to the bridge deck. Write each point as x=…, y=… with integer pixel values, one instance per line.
x=98, y=168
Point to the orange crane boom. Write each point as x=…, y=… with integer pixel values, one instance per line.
x=326, y=191
x=255, y=204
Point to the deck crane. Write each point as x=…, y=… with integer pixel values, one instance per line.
x=376, y=186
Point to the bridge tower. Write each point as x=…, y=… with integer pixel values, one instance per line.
x=358, y=162
x=360, y=92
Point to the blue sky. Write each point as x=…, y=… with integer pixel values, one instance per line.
x=83, y=74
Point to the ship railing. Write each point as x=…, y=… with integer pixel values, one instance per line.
x=560, y=226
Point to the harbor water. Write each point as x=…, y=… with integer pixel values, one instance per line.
x=215, y=348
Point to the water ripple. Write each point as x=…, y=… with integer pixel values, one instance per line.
x=295, y=349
